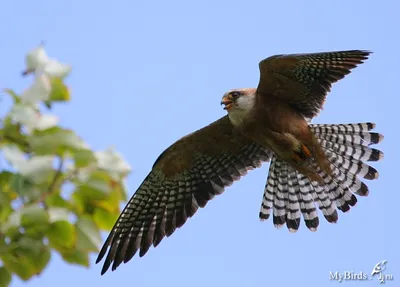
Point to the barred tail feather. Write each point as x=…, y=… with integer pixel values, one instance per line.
x=289, y=193
x=293, y=211
x=269, y=192
x=281, y=199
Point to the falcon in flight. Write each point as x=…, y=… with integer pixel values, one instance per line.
x=312, y=165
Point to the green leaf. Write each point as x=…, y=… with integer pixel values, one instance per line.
x=96, y=188
x=76, y=256
x=56, y=141
x=11, y=134
x=13, y=95
x=61, y=235
x=59, y=91
x=12, y=225
x=100, y=190
x=79, y=202
x=104, y=219
x=39, y=168
x=57, y=214
x=20, y=184
x=19, y=265
x=7, y=194
x=34, y=216
x=25, y=188
x=56, y=200
x=3, y=244
x=83, y=158
x=35, y=221
x=88, y=235
x=26, y=257
x=112, y=202
x=98, y=185
x=5, y=211
x=42, y=259
x=4, y=200
x=5, y=277
x=5, y=177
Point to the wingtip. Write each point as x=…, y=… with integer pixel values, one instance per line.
x=368, y=52
x=360, y=54
x=104, y=269
x=99, y=258
x=365, y=53
x=106, y=266
x=143, y=251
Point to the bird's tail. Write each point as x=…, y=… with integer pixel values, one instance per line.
x=289, y=194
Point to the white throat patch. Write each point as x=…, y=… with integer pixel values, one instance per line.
x=239, y=110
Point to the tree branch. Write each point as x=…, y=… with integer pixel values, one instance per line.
x=54, y=183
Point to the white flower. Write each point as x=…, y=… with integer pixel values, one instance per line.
x=112, y=161
x=38, y=91
x=45, y=69
x=54, y=68
x=37, y=168
x=46, y=121
x=38, y=61
x=31, y=119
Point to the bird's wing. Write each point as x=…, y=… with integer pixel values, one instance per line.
x=303, y=80
x=185, y=177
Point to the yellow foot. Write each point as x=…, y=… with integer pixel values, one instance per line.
x=296, y=158
x=305, y=150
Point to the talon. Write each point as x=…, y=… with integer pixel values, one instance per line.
x=296, y=158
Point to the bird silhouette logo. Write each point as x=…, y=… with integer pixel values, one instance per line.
x=378, y=269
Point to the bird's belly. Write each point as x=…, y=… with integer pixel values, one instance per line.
x=278, y=129
x=280, y=143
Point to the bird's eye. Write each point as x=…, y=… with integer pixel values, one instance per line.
x=235, y=95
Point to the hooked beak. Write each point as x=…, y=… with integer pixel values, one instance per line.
x=227, y=101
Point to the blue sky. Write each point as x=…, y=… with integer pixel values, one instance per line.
x=146, y=73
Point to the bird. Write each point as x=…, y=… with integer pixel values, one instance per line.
x=312, y=166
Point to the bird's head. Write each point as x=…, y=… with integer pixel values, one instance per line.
x=238, y=99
